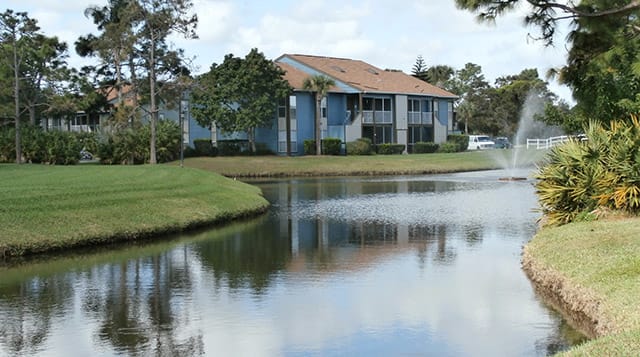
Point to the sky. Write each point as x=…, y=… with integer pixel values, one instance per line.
x=386, y=34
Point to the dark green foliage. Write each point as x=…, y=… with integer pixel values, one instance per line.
x=232, y=147
x=122, y=147
x=7, y=145
x=38, y=146
x=425, y=147
x=461, y=140
x=390, y=149
x=309, y=147
x=331, y=146
x=582, y=176
x=362, y=146
x=203, y=147
x=263, y=149
x=448, y=147
x=241, y=94
x=191, y=152
x=167, y=141
x=128, y=146
x=89, y=141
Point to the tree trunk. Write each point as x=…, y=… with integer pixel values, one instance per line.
x=16, y=94
x=251, y=134
x=154, y=110
x=318, y=125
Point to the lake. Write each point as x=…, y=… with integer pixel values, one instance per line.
x=411, y=265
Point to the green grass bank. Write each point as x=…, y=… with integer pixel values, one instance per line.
x=277, y=166
x=45, y=208
x=591, y=271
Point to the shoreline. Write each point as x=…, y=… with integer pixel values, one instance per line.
x=579, y=306
x=588, y=272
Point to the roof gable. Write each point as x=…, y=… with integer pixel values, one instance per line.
x=360, y=75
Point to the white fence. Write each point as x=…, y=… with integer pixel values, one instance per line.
x=552, y=141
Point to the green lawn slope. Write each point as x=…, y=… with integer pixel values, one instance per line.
x=44, y=208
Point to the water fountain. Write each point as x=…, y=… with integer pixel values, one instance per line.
x=519, y=158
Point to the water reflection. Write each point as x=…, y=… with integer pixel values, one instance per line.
x=339, y=266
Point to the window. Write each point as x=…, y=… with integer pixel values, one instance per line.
x=282, y=125
x=414, y=114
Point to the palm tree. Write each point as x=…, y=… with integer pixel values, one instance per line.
x=319, y=84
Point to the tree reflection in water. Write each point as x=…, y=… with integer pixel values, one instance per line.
x=154, y=298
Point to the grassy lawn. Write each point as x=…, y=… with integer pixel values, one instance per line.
x=600, y=262
x=276, y=166
x=54, y=207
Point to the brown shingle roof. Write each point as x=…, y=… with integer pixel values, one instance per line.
x=362, y=76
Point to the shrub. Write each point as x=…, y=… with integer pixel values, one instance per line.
x=602, y=172
x=361, y=146
x=309, y=147
x=462, y=141
x=61, y=148
x=449, y=147
x=232, y=147
x=123, y=146
x=89, y=141
x=7, y=145
x=130, y=146
x=331, y=146
x=203, y=147
x=33, y=143
x=425, y=147
x=263, y=149
x=390, y=149
x=168, y=141
x=39, y=146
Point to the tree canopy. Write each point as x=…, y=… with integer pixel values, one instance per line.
x=240, y=94
x=602, y=68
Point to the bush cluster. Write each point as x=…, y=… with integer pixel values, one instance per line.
x=204, y=147
x=362, y=146
x=390, y=149
x=449, y=146
x=130, y=146
x=39, y=146
x=422, y=147
x=240, y=147
x=461, y=141
x=583, y=176
x=330, y=146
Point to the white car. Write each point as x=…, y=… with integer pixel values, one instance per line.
x=480, y=142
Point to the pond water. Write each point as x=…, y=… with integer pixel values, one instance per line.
x=415, y=265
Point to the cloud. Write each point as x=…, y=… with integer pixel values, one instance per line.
x=385, y=34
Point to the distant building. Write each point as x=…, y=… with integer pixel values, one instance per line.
x=386, y=106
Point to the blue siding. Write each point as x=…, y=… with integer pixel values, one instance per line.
x=268, y=135
x=197, y=132
x=305, y=112
x=337, y=109
x=443, y=112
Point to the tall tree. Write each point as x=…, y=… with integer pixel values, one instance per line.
x=546, y=13
x=469, y=85
x=439, y=75
x=44, y=71
x=17, y=32
x=241, y=94
x=419, y=69
x=159, y=20
x=320, y=85
x=114, y=46
x=602, y=67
